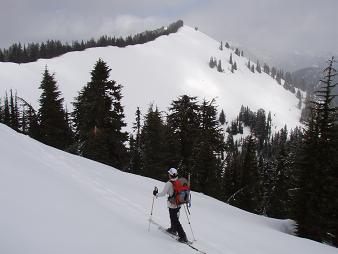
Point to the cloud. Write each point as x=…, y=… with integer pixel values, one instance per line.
x=124, y=25
x=39, y=20
x=271, y=22
x=270, y=27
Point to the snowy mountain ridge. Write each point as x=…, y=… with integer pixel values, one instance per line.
x=158, y=72
x=56, y=202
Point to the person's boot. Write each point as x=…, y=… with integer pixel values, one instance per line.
x=172, y=231
x=183, y=239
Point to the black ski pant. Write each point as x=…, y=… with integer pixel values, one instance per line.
x=175, y=223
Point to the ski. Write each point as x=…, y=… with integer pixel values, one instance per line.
x=171, y=235
x=189, y=243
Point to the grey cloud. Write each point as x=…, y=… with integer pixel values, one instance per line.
x=274, y=28
x=271, y=20
x=270, y=27
x=38, y=20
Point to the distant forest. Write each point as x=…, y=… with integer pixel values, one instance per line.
x=283, y=78
x=18, y=53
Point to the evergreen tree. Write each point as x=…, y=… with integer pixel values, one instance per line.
x=230, y=60
x=268, y=125
x=221, y=46
x=33, y=124
x=249, y=194
x=98, y=116
x=267, y=173
x=7, y=116
x=240, y=128
x=70, y=132
x=30, y=120
x=23, y=122
x=305, y=114
x=135, y=146
x=280, y=200
x=273, y=72
x=208, y=152
x=258, y=67
x=266, y=69
x=234, y=67
x=222, y=117
x=183, y=124
x=308, y=199
x=227, y=45
x=54, y=129
x=212, y=62
x=152, y=145
x=231, y=176
x=14, y=113
x=260, y=128
x=279, y=76
x=219, y=66
x=2, y=56
x=317, y=200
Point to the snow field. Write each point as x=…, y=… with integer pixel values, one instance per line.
x=158, y=72
x=55, y=202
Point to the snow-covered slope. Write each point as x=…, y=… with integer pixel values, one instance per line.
x=158, y=72
x=55, y=202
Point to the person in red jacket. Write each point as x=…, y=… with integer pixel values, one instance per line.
x=174, y=209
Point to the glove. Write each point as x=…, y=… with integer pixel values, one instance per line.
x=155, y=191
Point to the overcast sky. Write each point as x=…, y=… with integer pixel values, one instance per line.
x=265, y=27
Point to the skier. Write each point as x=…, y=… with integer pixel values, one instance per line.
x=174, y=209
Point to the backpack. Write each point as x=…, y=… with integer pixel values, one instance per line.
x=181, y=192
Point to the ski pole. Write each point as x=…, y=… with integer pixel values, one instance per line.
x=151, y=213
x=188, y=209
x=192, y=232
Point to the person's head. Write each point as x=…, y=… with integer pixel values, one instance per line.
x=173, y=173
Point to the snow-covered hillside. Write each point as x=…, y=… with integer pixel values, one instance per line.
x=158, y=72
x=55, y=202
